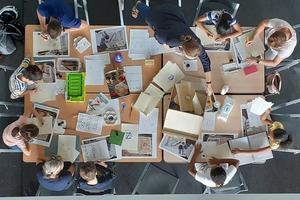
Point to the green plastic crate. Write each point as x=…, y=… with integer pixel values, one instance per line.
x=75, y=84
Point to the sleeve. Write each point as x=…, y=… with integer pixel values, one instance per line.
x=21, y=144
x=25, y=62
x=274, y=23
x=67, y=178
x=232, y=20
x=204, y=60
x=209, y=17
x=43, y=10
x=23, y=120
x=230, y=172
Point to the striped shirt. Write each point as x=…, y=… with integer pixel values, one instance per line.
x=16, y=86
x=214, y=17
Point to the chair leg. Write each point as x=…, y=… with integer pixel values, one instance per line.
x=121, y=8
x=197, y=12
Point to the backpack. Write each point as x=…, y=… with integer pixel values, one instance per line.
x=273, y=83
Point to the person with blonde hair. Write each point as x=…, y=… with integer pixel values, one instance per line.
x=280, y=37
x=52, y=175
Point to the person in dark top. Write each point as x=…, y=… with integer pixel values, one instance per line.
x=167, y=24
x=52, y=176
x=95, y=178
x=55, y=16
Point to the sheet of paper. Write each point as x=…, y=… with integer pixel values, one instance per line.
x=241, y=143
x=46, y=128
x=67, y=147
x=59, y=126
x=89, y=123
x=205, y=40
x=95, y=151
x=148, y=124
x=260, y=140
x=103, y=56
x=259, y=106
x=60, y=86
x=254, y=120
x=190, y=65
x=134, y=77
x=209, y=149
x=130, y=141
x=136, y=50
x=94, y=72
x=113, y=109
x=209, y=121
x=168, y=76
x=45, y=92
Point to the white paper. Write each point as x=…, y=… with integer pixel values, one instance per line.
x=168, y=76
x=130, y=141
x=148, y=124
x=60, y=126
x=134, y=78
x=259, y=106
x=60, y=86
x=66, y=147
x=44, y=129
x=45, y=92
x=89, y=123
x=94, y=72
x=209, y=149
x=103, y=56
x=254, y=120
x=209, y=121
x=190, y=65
x=82, y=45
x=95, y=151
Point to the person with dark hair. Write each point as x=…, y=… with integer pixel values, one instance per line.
x=278, y=137
x=54, y=175
x=55, y=16
x=18, y=134
x=214, y=173
x=226, y=25
x=95, y=177
x=281, y=39
x=22, y=81
x=169, y=27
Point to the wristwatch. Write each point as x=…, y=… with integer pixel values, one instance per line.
x=257, y=60
x=208, y=82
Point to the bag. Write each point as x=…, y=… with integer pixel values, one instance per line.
x=8, y=14
x=273, y=83
x=7, y=45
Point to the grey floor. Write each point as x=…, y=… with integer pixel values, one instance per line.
x=278, y=175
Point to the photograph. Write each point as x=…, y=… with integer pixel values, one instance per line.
x=117, y=83
x=178, y=146
x=45, y=111
x=48, y=68
x=219, y=138
x=109, y=39
x=68, y=64
x=51, y=47
x=144, y=147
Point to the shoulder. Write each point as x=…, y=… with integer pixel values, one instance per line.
x=230, y=172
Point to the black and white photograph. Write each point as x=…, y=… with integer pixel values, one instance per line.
x=49, y=71
x=219, y=138
x=109, y=39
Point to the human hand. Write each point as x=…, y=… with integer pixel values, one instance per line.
x=251, y=61
x=249, y=41
x=235, y=150
x=220, y=39
x=209, y=90
x=209, y=34
x=45, y=35
x=213, y=161
x=102, y=163
x=198, y=148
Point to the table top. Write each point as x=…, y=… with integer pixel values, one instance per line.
x=68, y=111
x=250, y=84
x=233, y=124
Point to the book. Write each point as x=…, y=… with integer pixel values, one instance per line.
x=252, y=142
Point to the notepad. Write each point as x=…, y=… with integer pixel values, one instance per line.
x=116, y=137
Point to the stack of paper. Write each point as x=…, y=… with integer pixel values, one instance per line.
x=67, y=148
x=142, y=47
x=89, y=123
x=134, y=78
x=94, y=71
x=259, y=106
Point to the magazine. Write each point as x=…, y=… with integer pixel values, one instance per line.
x=117, y=83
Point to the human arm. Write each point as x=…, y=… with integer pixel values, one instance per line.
x=206, y=67
x=42, y=20
x=264, y=118
x=252, y=151
x=200, y=23
x=217, y=161
x=260, y=28
x=191, y=168
x=26, y=149
x=270, y=63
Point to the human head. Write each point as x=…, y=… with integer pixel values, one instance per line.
x=27, y=132
x=190, y=47
x=218, y=175
x=32, y=73
x=277, y=39
x=280, y=136
x=223, y=27
x=53, y=167
x=54, y=28
x=88, y=171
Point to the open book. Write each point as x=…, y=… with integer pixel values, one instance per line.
x=251, y=142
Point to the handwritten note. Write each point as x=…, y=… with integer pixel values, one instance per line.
x=134, y=78
x=94, y=72
x=130, y=141
x=148, y=124
x=209, y=121
x=89, y=123
x=96, y=150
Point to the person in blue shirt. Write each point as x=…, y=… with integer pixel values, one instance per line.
x=52, y=175
x=95, y=178
x=168, y=25
x=55, y=16
x=226, y=25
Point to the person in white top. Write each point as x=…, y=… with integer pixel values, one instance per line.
x=214, y=173
x=280, y=37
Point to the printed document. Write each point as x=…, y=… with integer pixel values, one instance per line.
x=94, y=72
x=89, y=123
x=134, y=77
x=148, y=124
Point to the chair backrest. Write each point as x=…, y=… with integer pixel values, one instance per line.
x=155, y=180
x=235, y=186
